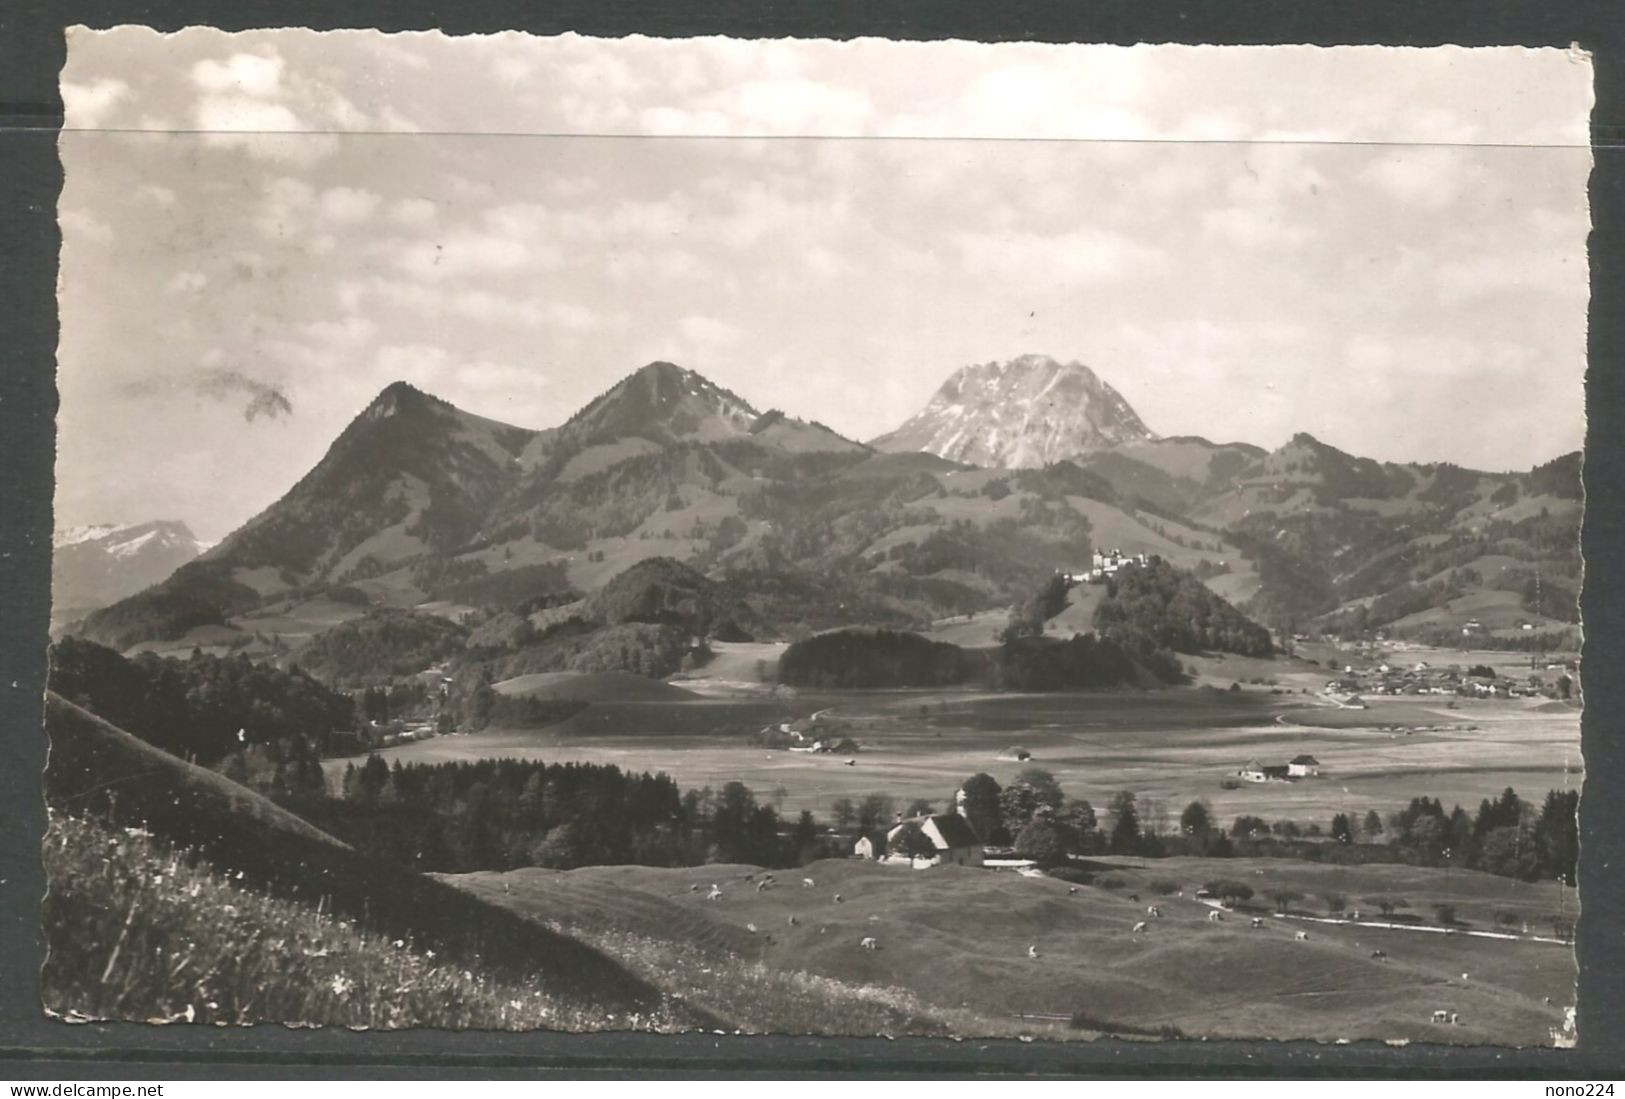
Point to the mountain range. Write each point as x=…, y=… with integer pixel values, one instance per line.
x=1011, y=472
x=93, y=566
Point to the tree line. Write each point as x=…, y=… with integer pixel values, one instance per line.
x=502, y=814
x=1507, y=836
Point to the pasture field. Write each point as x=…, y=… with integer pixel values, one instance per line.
x=957, y=940
x=1170, y=747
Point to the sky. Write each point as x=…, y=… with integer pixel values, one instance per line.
x=1382, y=247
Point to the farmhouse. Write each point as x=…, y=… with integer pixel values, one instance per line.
x=950, y=835
x=1253, y=771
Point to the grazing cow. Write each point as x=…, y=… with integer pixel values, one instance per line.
x=715, y=894
x=839, y=899
x=1215, y=916
x=1032, y=952
x=1355, y=914
x=761, y=886
x=1071, y=889
x=1464, y=976
x=695, y=888
x=1134, y=897
x=1257, y=922
x=1454, y=1019
x=794, y=921
x=807, y=883
x=1153, y=911
x=1380, y=955
x=1139, y=928
x=851, y=763
x=1546, y=999
x=1441, y=1016
x=1302, y=936
x=751, y=928
x=869, y=943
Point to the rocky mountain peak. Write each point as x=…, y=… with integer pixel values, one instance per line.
x=664, y=402
x=1029, y=411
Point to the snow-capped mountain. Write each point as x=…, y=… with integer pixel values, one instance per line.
x=92, y=566
x=1027, y=412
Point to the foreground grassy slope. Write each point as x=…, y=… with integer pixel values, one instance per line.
x=96, y=768
x=139, y=930
x=957, y=940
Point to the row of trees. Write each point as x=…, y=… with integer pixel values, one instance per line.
x=1506, y=836
x=501, y=814
x=872, y=658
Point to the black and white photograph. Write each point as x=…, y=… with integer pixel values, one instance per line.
x=801, y=537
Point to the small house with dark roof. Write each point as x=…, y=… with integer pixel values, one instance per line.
x=950, y=835
x=1303, y=766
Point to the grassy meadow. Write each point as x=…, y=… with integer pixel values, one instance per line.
x=953, y=949
x=139, y=930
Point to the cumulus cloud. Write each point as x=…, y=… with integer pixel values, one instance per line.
x=708, y=331
x=187, y=282
x=86, y=105
x=245, y=73
x=412, y=211
x=348, y=205
x=1254, y=227
x=246, y=103
x=1085, y=255
x=1430, y=178
x=465, y=253
x=156, y=194
x=264, y=399
x=240, y=114
x=80, y=225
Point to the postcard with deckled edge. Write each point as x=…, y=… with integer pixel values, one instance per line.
x=804, y=537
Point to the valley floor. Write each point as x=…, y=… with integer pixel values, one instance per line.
x=952, y=944
x=1170, y=747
